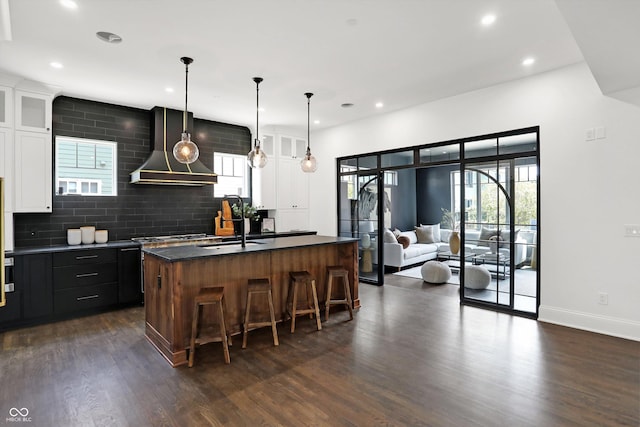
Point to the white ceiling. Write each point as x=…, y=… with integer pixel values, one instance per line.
x=399, y=52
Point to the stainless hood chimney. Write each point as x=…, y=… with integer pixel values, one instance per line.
x=161, y=167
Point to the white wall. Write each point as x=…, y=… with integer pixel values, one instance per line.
x=589, y=189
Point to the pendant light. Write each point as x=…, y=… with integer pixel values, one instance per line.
x=256, y=157
x=185, y=150
x=308, y=162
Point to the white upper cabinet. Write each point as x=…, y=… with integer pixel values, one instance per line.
x=268, y=145
x=33, y=111
x=263, y=180
x=6, y=166
x=293, y=185
x=33, y=176
x=292, y=147
x=6, y=106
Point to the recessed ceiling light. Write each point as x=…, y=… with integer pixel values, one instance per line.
x=316, y=122
x=69, y=4
x=528, y=61
x=379, y=105
x=168, y=89
x=108, y=37
x=488, y=19
x=346, y=105
x=56, y=65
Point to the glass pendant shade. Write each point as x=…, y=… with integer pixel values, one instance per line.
x=185, y=150
x=308, y=163
x=256, y=157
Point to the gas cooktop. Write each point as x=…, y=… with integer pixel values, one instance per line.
x=174, y=239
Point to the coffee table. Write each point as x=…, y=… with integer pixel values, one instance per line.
x=498, y=259
x=452, y=260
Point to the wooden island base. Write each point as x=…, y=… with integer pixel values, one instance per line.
x=171, y=285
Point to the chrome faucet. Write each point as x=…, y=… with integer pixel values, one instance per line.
x=243, y=235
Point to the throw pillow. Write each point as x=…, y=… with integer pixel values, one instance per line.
x=388, y=237
x=505, y=235
x=425, y=234
x=396, y=232
x=436, y=230
x=404, y=241
x=485, y=235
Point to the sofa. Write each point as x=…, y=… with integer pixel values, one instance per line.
x=423, y=246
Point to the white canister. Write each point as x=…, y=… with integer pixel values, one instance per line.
x=102, y=236
x=88, y=234
x=74, y=236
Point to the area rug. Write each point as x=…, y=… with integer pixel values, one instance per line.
x=525, y=280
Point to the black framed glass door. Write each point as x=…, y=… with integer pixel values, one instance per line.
x=500, y=231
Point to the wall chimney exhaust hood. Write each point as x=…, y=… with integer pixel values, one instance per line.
x=161, y=168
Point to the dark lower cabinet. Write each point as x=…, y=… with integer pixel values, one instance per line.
x=84, y=298
x=34, y=276
x=57, y=285
x=12, y=311
x=85, y=279
x=129, y=276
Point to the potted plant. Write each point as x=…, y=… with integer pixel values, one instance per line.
x=246, y=211
x=449, y=220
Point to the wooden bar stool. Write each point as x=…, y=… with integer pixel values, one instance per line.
x=259, y=286
x=209, y=296
x=297, y=279
x=336, y=272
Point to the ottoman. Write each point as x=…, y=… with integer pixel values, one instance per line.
x=476, y=277
x=435, y=272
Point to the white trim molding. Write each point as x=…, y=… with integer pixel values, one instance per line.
x=5, y=21
x=613, y=326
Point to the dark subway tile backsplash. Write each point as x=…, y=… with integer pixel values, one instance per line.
x=137, y=210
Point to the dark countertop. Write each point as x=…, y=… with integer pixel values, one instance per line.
x=182, y=253
x=130, y=243
x=272, y=235
x=63, y=248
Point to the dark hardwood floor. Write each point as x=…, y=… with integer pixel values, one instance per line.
x=412, y=356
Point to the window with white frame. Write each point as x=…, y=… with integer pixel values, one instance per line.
x=233, y=174
x=86, y=167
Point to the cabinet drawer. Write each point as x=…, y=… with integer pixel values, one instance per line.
x=89, y=256
x=73, y=276
x=76, y=299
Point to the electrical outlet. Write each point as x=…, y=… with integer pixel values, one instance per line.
x=603, y=298
x=632, y=230
x=590, y=134
x=601, y=132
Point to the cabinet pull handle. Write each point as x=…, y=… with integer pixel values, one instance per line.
x=85, y=275
x=88, y=297
x=129, y=249
x=87, y=257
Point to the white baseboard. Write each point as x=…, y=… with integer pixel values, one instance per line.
x=613, y=326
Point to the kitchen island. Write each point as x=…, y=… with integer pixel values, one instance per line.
x=173, y=276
